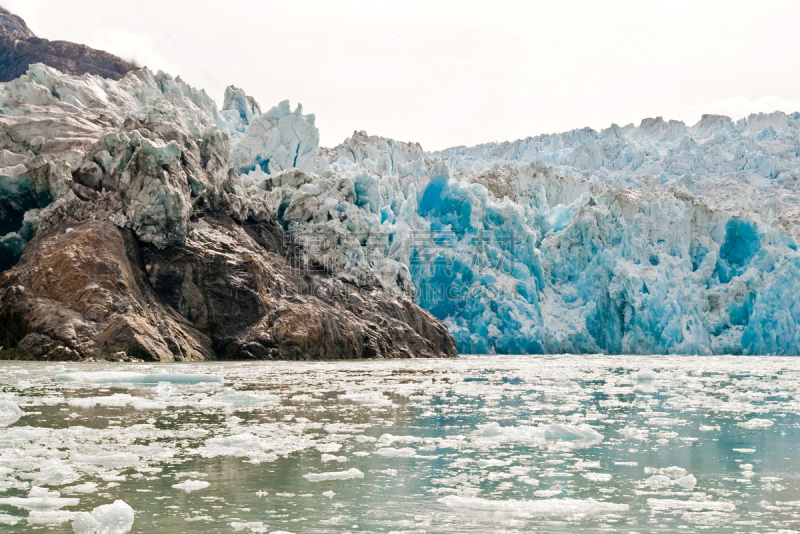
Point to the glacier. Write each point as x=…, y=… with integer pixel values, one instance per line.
x=657, y=239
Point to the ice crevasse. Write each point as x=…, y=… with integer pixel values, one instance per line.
x=522, y=259
x=654, y=239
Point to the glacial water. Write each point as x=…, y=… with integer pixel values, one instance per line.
x=479, y=444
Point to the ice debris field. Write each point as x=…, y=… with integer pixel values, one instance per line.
x=660, y=238
x=481, y=444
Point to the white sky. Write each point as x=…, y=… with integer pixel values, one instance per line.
x=452, y=72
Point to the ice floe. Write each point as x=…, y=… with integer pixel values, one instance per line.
x=334, y=475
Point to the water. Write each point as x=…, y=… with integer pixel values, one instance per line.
x=481, y=444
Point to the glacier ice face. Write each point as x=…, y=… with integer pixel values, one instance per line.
x=520, y=259
x=661, y=238
x=278, y=140
x=752, y=164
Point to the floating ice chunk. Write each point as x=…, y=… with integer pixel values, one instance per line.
x=106, y=458
x=658, y=481
x=340, y=475
x=10, y=520
x=580, y=435
x=366, y=397
x=708, y=519
x=695, y=506
x=630, y=432
x=40, y=499
x=597, y=477
x=113, y=377
x=118, y=400
x=688, y=482
x=546, y=494
x=238, y=445
x=645, y=374
x=672, y=471
x=333, y=458
x=572, y=433
x=328, y=447
x=191, y=485
x=746, y=467
x=9, y=413
x=390, y=472
x=664, y=421
x=708, y=428
x=390, y=452
x=50, y=517
x=86, y=487
x=745, y=451
x=563, y=508
x=483, y=464
x=116, y=518
x=328, y=494
x=756, y=423
x=305, y=398
x=231, y=397
x=256, y=527
x=52, y=473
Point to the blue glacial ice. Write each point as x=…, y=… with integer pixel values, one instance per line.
x=651, y=239
x=523, y=259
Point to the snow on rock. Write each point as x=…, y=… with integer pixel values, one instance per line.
x=116, y=518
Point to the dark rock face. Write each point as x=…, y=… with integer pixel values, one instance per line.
x=90, y=290
x=239, y=285
x=17, y=54
x=19, y=48
x=13, y=25
x=79, y=292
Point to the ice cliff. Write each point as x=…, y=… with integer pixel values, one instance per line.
x=654, y=239
x=651, y=240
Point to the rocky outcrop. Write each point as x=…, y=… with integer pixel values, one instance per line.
x=139, y=241
x=246, y=288
x=79, y=292
x=19, y=48
x=89, y=290
x=13, y=25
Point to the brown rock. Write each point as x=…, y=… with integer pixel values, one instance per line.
x=19, y=48
x=81, y=294
x=237, y=284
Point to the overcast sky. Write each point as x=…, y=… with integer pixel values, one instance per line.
x=453, y=72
